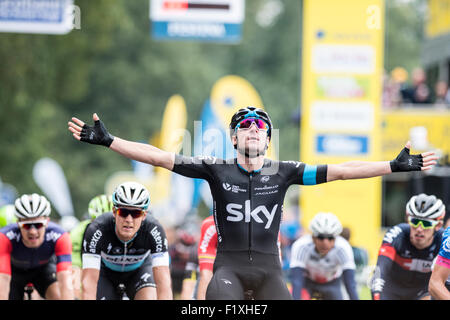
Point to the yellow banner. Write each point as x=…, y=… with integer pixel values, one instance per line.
x=438, y=22
x=427, y=129
x=342, y=64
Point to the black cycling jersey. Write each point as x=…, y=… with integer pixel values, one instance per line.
x=248, y=206
x=101, y=246
x=403, y=271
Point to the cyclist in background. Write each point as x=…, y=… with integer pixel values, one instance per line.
x=27, y=250
x=7, y=215
x=439, y=285
x=97, y=206
x=407, y=252
x=126, y=247
x=190, y=279
x=248, y=194
x=323, y=261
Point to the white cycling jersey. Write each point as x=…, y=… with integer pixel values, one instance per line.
x=322, y=269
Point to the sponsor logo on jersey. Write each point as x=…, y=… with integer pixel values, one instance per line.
x=124, y=259
x=233, y=188
x=446, y=245
x=392, y=234
x=419, y=265
x=209, y=233
x=13, y=235
x=266, y=190
x=52, y=236
x=94, y=240
x=234, y=209
x=295, y=163
x=265, y=179
x=158, y=239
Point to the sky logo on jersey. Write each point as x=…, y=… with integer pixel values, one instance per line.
x=236, y=215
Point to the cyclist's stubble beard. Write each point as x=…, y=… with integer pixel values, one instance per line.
x=251, y=153
x=423, y=238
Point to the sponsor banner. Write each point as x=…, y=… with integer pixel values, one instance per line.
x=342, y=116
x=426, y=128
x=342, y=64
x=206, y=31
x=202, y=20
x=37, y=16
x=332, y=144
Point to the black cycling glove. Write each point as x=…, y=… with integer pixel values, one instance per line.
x=407, y=162
x=96, y=134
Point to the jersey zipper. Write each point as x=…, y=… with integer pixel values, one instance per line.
x=124, y=255
x=250, y=221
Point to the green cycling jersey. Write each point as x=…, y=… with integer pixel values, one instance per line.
x=76, y=235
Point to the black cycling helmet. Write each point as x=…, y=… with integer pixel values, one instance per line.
x=248, y=112
x=425, y=207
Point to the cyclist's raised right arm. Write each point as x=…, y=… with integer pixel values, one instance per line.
x=97, y=134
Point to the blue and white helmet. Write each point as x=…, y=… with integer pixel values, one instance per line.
x=32, y=206
x=131, y=194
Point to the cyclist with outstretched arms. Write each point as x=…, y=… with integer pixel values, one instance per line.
x=128, y=247
x=35, y=250
x=407, y=252
x=248, y=193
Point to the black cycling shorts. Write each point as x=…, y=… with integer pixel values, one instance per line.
x=109, y=281
x=234, y=274
x=325, y=291
x=41, y=278
x=392, y=291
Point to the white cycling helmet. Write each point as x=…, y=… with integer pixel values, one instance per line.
x=32, y=206
x=425, y=207
x=325, y=223
x=131, y=194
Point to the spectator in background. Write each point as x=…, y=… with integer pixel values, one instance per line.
x=419, y=92
x=360, y=254
x=442, y=93
x=392, y=85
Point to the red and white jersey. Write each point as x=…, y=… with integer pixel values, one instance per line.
x=207, y=245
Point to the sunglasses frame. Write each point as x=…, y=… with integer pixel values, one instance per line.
x=27, y=225
x=434, y=223
x=323, y=237
x=118, y=210
x=252, y=119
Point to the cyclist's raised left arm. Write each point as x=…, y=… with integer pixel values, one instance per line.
x=367, y=169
